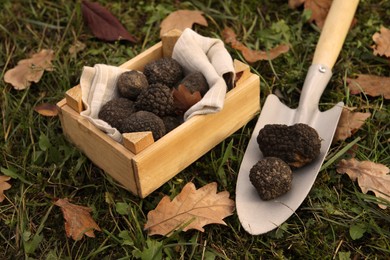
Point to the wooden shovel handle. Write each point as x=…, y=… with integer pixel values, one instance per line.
x=334, y=32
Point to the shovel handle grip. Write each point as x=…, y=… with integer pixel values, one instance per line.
x=334, y=32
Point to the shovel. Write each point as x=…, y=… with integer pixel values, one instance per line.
x=258, y=216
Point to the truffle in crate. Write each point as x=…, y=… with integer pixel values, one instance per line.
x=150, y=163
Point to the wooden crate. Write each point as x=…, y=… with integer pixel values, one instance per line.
x=145, y=171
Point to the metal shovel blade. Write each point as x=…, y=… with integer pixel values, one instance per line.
x=258, y=216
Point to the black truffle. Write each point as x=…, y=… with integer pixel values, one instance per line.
x=171, y=122
x=196, y=82
x=131, y=83
x=116, y=110
x=271, y=177
x=166, y=70
x=142, y=121
x=157, y=98
x=297, y=145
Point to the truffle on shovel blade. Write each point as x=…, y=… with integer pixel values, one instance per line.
x=142, y=121
x=131, y=83
x=271, y=177
x=297, y=145
x=116, y=110
x=166, y=70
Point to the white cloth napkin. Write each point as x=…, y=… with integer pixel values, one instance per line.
x=209, y=56
x=98, y=86
x=193, y=51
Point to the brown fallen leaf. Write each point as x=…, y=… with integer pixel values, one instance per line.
x=4, y=185
x=183, y=98
x=349, y=123
x=191, y=209
x=382, y=42
x=295, y=3
x=370, y=176
x=30, y=70
x=370, y=85
x=252, y=56
x=319, y=9
x=78, y=221
x=104, y=25
x=46, y=109
x=76, y=47
x=181, y=20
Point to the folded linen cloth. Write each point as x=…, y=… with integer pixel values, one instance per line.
x=210, y=57
x=98, y=86
x=193, y=51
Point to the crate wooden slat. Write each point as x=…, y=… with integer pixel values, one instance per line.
x=144, y=172
x=107, y=154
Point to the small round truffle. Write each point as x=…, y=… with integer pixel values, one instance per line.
x=171, y=122
x=166, y=70
x=271, y=177
x=131, y=83
x=116, y=110
x=157, y=98
x=196, y=82
x=297, y=145
x=142, y=121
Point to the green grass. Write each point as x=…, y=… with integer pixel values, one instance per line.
x=336, y=221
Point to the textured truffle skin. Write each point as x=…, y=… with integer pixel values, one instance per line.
x=116, y=110
x=271, y=177
x=196, y=82
x=142, y=121
x=166, y=70
x=157, y=98
x=171, y=122
x=297, y=145
x=131, y=83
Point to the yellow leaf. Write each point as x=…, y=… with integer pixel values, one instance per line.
x=191, y=209
x=370, y=176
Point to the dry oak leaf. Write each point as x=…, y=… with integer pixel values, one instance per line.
x=76, y=47
x=181, y=20
x=370, y=85
x=103, y=24
x=4, y=185
x=30, y=70
x=349, y=123
x=295, y=3
x=319, y=9
x=78, y=220
x=370, y=176
x=183, y=98
x=382, y=42
x=46, y=109
x=252, y=56
x=191, y=209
